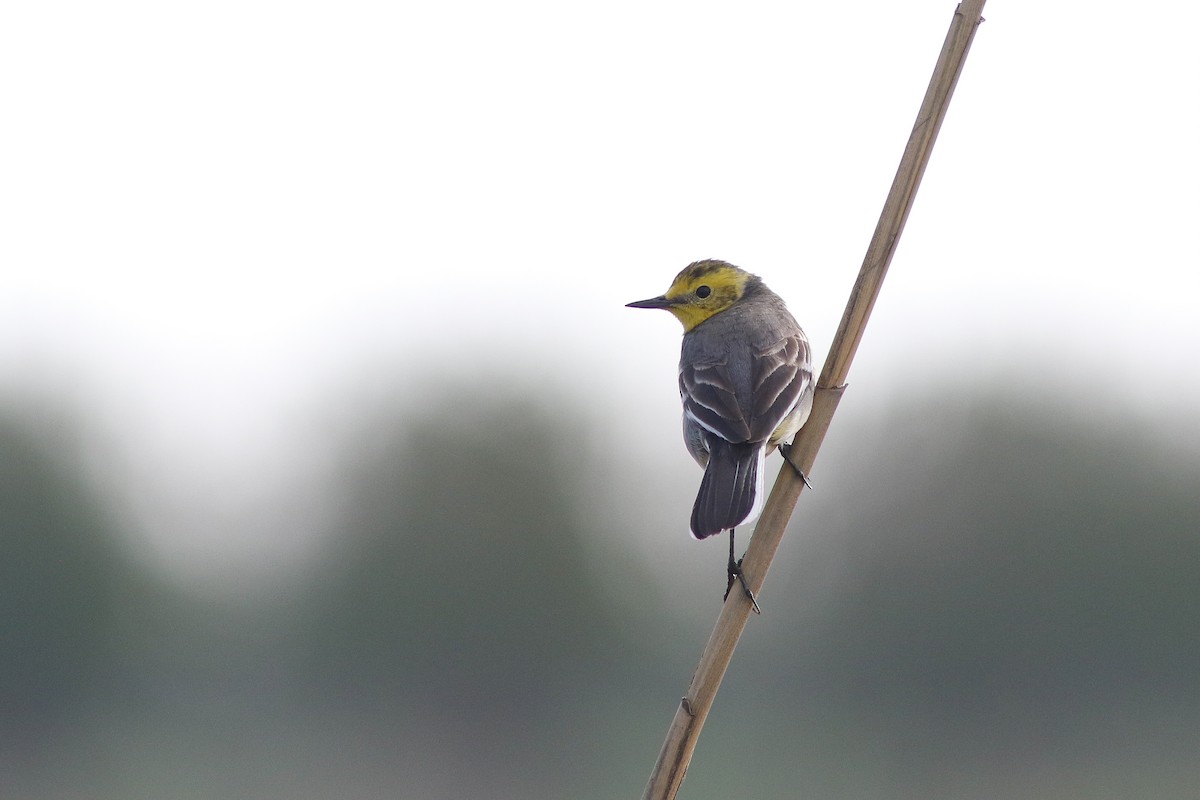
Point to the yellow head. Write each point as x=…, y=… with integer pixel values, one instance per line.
x=701, y=290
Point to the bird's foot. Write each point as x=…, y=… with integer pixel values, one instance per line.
x=735, y=574
x=785, y=450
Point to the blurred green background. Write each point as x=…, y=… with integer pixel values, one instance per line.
x=978, y=600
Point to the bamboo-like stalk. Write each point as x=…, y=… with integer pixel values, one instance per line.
x=693, y=709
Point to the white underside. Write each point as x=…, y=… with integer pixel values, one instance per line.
x=760, y=486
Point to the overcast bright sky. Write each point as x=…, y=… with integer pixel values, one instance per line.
x=215, y=214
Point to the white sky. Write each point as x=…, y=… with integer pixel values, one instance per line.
x=216, y=215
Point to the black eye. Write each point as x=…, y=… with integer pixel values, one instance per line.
x=703, y=291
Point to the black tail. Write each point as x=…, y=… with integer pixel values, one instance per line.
x=727, y=492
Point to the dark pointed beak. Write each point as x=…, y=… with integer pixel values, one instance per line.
x=654, y=302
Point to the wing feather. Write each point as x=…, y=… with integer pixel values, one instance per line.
x=781, y=374
x=749, y=409
x=710, y=398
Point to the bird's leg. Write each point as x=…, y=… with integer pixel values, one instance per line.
x=733, y=567
x=785, y=450
x=735, y=573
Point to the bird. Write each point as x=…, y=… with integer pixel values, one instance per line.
x=746, y=384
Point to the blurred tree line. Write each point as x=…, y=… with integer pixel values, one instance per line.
x=1003, y=606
